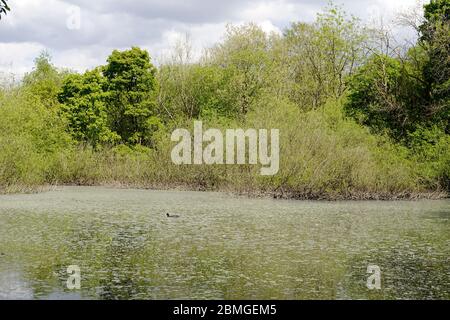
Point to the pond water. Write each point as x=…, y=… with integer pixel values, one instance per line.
x=221, y=246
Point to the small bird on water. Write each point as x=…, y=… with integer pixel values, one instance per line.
x=172, y=215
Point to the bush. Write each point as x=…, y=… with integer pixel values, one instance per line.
x=31, y=138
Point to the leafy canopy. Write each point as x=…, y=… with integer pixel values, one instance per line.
x=84, y=107
x=132, y=88
x=115, y=103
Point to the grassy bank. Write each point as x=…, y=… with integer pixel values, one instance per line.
x=355, y=122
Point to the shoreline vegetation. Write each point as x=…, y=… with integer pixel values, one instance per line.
x=256, y=194
x=360, y=117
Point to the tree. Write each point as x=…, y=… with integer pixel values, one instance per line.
x=45, y=81
x=132, y=89
x=192, y=90
x=383, y=95
x=411, y=91
x=83, y=102
x=189, y=89
x=435, y=39
x=244, y=62
x=4, y=8
x=322, y=55
x=436, y=15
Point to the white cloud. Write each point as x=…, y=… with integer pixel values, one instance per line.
x=35, y=25
x=280, y=12
x=18, y=57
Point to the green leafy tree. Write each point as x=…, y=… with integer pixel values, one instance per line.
x=412, y=91
x=244, y=63
x=435, y=38
x=84, y=107
x=225, y=82
x=384, y=96
x=132, y=89
x=191, y=90
x=45, y=81
x=436, y=15
x=321, y=56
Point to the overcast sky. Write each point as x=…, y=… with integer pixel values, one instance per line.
x=52, y=25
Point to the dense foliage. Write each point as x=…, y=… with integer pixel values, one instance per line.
x=84, y=102
x=355, y=121
x=114, y=103
x=411, y=92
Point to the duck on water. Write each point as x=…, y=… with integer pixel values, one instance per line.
x=172, y=215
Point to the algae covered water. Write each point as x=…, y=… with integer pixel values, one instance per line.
x=220, y=247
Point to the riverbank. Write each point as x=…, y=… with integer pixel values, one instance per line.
x=336, y=135
x=323, y=156
x=275, y=194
